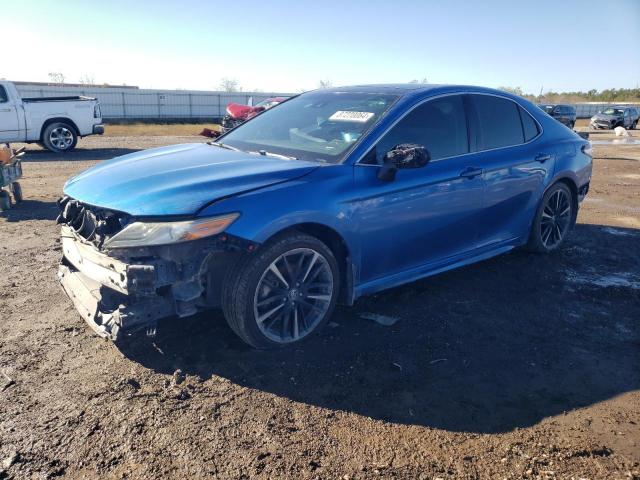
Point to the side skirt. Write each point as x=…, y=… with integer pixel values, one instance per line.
x=434, y=268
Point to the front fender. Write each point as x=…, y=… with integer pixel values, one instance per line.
x=322, y=197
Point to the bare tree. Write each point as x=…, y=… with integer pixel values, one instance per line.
x=514, y=90
x=56, y=77
x=230, y=85
x=325, y=84
x=87, y=79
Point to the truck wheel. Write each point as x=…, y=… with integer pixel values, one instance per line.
x=5, y=201
x=633, y=125
x=283, y=293
x=59, y=137
x=554, y=218
x=16, y=188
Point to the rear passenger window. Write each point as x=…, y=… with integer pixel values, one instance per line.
x=529, y=125
x=440, y=125
x=498, y=122
x=3, y=95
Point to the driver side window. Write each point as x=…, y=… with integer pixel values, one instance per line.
x=440, y=125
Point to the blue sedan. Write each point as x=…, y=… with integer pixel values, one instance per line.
x=329, y=196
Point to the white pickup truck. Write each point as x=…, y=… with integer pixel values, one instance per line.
x=56, y=123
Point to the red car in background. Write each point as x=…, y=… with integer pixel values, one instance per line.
x=238, y=113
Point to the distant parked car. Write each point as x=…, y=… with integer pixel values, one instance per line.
x=56, y=123
x=332, y=195
x=612, y=117
x=238, y=113
x=565, y=114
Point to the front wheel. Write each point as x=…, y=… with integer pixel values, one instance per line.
x=283, y=293
x=553, y=219
x=59, y=137
x=5, y=201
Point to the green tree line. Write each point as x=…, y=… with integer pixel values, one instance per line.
x=610, y=95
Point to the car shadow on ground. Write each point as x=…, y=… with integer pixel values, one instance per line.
x=487, y=348
x=31, y=210
x=79, y=154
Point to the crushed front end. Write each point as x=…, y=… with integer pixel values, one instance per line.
x=123, y=290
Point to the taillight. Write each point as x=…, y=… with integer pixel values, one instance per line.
x=587, y=149
x=96, y=111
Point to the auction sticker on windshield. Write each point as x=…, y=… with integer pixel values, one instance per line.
x=347, y=116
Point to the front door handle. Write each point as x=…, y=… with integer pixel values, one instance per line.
x=471, y=172
x=542, y=157
x=5, y=109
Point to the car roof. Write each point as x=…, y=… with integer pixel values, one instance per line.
x=416, y=89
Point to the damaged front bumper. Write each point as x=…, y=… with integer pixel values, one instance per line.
x=131, y=292
x=111, y=295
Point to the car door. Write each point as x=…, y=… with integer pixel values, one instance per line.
x=428, y=214
x=9, y=125
x=516, y=165
x=626, y=119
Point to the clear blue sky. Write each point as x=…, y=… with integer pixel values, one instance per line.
x=290, y=45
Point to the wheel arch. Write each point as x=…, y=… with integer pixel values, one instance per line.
x=338, y=246
x=66, y=120
x=571, y=183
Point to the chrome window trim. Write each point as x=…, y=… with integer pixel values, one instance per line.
x=540, y=129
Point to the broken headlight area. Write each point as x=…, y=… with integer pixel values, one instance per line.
x=91, y=223
x=124, y=289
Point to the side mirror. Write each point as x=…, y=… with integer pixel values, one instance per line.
x=404, y=155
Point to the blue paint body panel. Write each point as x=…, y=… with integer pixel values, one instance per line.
x=426, y=221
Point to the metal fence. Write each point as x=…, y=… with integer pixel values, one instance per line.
x=163, y=105
x=167, y=105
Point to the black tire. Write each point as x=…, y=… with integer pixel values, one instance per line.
x=539, y=238
x=240, y=292
x=633, y=125
x=59, y=137
x=16, y=189
x=5, y=201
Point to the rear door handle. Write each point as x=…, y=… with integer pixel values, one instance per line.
x=5, y=109
x=471, y=172
x=542, y=157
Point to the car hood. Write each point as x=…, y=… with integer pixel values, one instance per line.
x=178, y=180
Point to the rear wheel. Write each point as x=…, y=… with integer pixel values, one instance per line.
x=634, y=125
x=59, y=137
x=553, y=219
x=283, y=293
x=16, y=188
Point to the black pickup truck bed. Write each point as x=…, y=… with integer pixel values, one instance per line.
x=56, y=99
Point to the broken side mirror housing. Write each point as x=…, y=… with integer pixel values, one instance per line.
x=404, y=155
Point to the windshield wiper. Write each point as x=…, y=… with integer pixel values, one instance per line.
x=224, y=145
x=264, y=153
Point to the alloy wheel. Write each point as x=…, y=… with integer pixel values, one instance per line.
x=293, y=295
x=556, y=219
x=61, y=138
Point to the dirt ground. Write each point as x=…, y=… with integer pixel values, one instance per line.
x=522, y=366
x=157, y=129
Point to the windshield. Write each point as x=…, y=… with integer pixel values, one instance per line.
x=315, y=126
x=613, y=111
x=546, y=108
x=268, y=103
